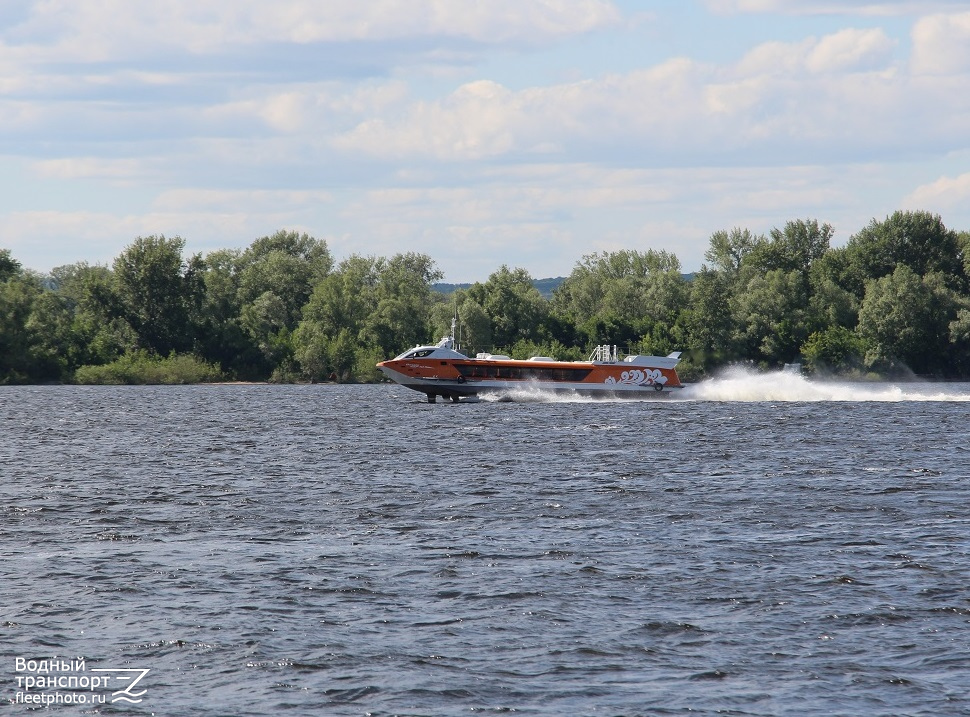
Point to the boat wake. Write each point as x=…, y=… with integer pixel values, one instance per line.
x=744, y=385
x=538, y=395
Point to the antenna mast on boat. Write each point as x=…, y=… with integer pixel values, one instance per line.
x=454, y=323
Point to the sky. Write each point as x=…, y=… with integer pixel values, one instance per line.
x=526, y=133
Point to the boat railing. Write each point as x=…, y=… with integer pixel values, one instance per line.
x=604, y=354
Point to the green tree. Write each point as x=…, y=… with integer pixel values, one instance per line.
x=835, y=349
x=56, y=350
x=963, y=241
x=402, y=294
x=959, y=362
x=286, y=264
x=17, y=343
x=515, y=308
x=367, y=307
x=830, y=304
x=728, y=251
x=9, y=267
x=757, y=299
x=342, y=355
x=906, y=320
x=159, y=293
x=709, y=321
x=99, y=333
x=624, y=297
x=769, y=316
x=796, y=247
x=34, y=330
x=222, y=336
x=17, y=296
x=917, y=240
x=344, y=298
x=275, y=278
x=266, y=320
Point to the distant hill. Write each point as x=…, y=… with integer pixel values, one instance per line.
x=545, y=286
x=448, y=288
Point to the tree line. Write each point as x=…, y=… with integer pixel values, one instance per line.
x=895, y=298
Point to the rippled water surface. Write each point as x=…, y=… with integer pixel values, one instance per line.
x=764, y=546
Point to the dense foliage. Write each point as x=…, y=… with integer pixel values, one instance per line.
x=895, y=298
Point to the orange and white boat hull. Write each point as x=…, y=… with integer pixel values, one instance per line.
x=440, y=371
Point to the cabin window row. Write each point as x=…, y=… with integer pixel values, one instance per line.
x=524, y=374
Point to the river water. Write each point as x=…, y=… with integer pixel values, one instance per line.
x=763, y=545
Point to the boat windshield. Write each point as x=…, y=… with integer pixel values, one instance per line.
x=417, y=353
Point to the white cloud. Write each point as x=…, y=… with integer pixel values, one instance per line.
x=223, y=121
x=851, y=51
x=945, y=193
x=822, y=90
x=305, y=108
x=474, y=122
x=531, y=194
x=846, y=51
x=941, y=44
x=819, y=89
x=542, y=217
x=237, y=202
x=885, y=8
x=98, y=237
x=775, y=58
x=19, y=115
x=113, y=29
x=485, y=119
x=115, y=170
x=555, y=214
